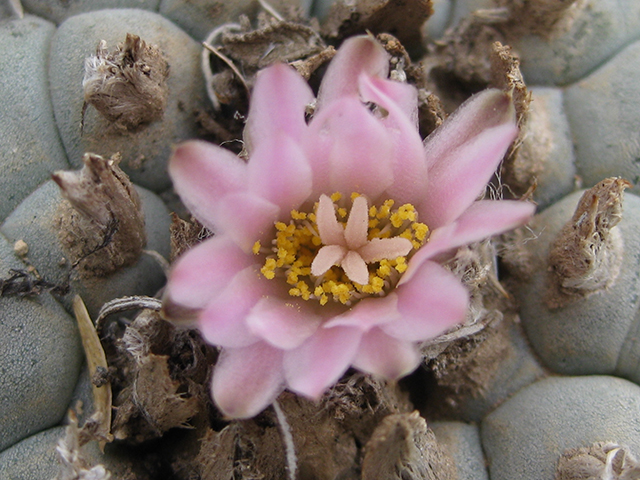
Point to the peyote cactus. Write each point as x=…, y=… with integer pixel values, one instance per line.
x=541, y=379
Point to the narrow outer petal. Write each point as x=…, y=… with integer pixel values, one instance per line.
x=223, y=321
x=431, y=303
x=202, y=174
x=357, y=55
x=203, y=272
x=319, y=362
x=282, y=323
x=353, y=147
x=368, y=313
x=280, y=98
x=385, y=356
x=464, y=153
x=409, y=165
x=483, y=219
x=247, y=218
x=247, y=380
x=280, y=172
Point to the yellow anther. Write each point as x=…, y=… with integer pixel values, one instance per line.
x=296, y=244
x=401, y=266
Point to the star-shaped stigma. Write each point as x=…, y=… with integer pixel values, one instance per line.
x=349, y=247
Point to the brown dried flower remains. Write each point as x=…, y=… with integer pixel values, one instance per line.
x=587, y=253
x=127, y=85
x=102, y=225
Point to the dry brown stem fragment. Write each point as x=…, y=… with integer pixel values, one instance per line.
x=127, y=85
x=538, y=17
x=102, y=225
x=587, y=253
x=601, y=460
x=402, y=447
x=401, y=18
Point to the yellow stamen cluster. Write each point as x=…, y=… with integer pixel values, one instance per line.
x=296, y=244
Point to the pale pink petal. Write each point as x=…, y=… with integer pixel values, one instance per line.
x=222, y=322
x=388, y=357
x=385, y=248
x=464, y=153
x=327, y=257
x=409, y=165
x=349, y=141
x=280, y=172
x=247, y=380
x=278, y=103
x=483, y=219
x=330, y=230
x=200, y=274
x=431, y=303
x=368, y=313
x=355, y=268
x=202, y=174
x=282, y=323
x=247, y=218
x=321, y=360
x=356, y=55
x=355, y=233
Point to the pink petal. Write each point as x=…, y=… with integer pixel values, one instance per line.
x=202, y=174
x=356, y=55
x=280, y=172
x=223, y=321
x=283, y=324
x=321, y=360
x=368, y=313
x=204, y=271
x=431, y=303
x=355, y=233
x=385, y=248
x=483, y=219
x=247, y=380
x=355, y=268
x=278, y=103
x=409, y=166
x=352, y=146
x=464, y=153
x=388, y=357
x=330, y=230
x=247, y=218
x=327, y=257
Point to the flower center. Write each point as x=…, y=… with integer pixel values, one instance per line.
x=340, y=255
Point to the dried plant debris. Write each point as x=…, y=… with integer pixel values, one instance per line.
x=160, y=377
x=127, y=85
x=461, y=59
x=467, y=368
x=401, y=18
x=27, y=283
x=403, y=448
x=586, y=255
x=600, y=461
x=537, y=17
x=73, y=461
x=186, y=234
x=98, y=426
x=518, y=171
x=102, y=224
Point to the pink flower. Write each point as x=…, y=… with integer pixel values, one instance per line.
x=323, y=256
